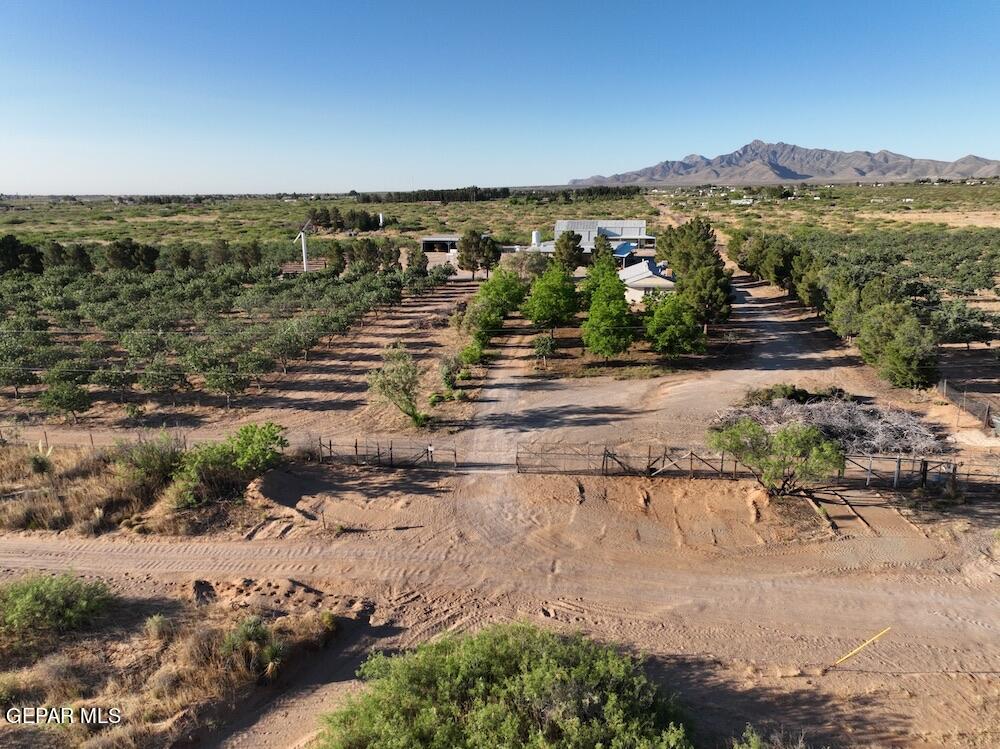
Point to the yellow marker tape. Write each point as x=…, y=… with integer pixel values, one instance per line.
x=860, y=647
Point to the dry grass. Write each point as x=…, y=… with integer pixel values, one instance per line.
x=88, y=491
x=168, y=673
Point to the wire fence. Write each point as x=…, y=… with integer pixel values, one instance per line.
x=884, y=471
x=985, y=412
x=652, y=460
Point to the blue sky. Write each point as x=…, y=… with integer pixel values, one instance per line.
x=144, y=97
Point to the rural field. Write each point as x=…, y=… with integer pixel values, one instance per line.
x=260, y=494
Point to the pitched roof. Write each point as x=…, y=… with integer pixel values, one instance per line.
x=648, y=269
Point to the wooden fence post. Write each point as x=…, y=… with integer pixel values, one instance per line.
x=923, y=472
x=895, y=476
x=868, y=476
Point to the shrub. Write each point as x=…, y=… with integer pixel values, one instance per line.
x=220, y=471
x=43, y=603
x=450, y=367
x=397, y=381
x=512, y=685
x=254, y=648
x=61, y=677
x=781, y=462
x=471, y=354
x=12, y=689
x=752, y=739
x=158, y=627
x=148, y=466
x=257, y=447
x=40, y=463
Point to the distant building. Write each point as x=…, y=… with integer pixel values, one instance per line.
x=627, y=237
x=644, y=278
x=741, y=201
x=440, y=243
x=616, y=230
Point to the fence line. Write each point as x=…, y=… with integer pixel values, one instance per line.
x=888, y=471
x=982, y=410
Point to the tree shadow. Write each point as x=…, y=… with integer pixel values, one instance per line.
x=719, y=708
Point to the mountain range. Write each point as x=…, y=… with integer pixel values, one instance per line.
x=770, y=163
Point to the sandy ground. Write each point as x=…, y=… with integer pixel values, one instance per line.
x=739, y=602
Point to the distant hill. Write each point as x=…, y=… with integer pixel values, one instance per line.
x=769, y=163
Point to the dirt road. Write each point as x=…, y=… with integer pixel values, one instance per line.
x=736, y=614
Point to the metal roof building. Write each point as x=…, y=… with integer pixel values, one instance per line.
x=615, y=229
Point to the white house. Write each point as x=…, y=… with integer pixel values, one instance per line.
x=644, y=278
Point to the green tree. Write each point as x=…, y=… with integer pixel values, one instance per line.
x=469, y=251
x=489, y=254
x=568, y=253
x=672, y=326
x=16, y=373
x=416, y=261
x=224, y=378
x=507, y=686
x=957, y=322
x=66, y=398
x=893, y=340
x=844, y=310
x=607, y=331
x=116, y=378
x=398, y=382
x=552, y=300
x=602, y=248
x=544, y=347
x=783, y=462
x=706, y=290
x=603, y=267
x=909, y=358
x=161, y=376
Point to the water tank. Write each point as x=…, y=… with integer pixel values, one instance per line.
x=536, y=238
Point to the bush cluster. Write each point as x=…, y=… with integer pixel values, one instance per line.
x=220, y=471
x=42, y=603
x=514, y=686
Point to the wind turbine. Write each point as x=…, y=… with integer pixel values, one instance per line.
x=305, y=253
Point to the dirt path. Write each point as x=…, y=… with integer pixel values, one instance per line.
x=737, y=619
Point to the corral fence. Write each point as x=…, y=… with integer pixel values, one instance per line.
x=884, y=471
x=389, y=452
x=985, y=412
